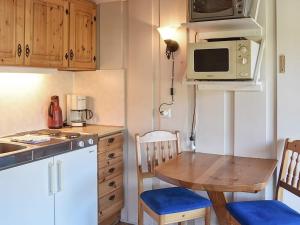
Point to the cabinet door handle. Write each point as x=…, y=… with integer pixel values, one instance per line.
x=27, y=51
x=71, y=54
x=66, y=56
x=19, y=50
x=50, y=178
x=59, y=176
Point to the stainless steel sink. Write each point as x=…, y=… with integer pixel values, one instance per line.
x=8, y=147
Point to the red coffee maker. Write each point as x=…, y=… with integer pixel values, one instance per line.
x=55, y=120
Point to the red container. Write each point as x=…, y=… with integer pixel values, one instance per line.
x=55, y=120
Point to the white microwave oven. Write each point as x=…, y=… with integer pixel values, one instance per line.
x=222, y=60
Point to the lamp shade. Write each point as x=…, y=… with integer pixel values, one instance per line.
x=168, y=32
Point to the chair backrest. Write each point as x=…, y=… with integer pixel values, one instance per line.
x=158, y=147
x=289, y=176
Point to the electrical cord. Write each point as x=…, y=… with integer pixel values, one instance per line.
x=172, y=90
x=192, y=137
x=193, y=128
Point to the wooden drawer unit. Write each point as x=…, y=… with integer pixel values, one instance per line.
x=109, y=171
x=114, y=170
x=111, y=199
x=111, y=142
x=114, y=153
x=110, y=178
x=110, y=185
x=106, y=214
x=110, y=204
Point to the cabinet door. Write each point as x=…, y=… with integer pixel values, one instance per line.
x=82, y=35
x=12, y=32
x=46, y=33
x=76, y=196
x=26, y=196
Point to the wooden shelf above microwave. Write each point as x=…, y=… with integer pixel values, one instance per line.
x=244, y=27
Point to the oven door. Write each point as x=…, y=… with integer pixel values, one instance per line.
x=212, y=61
x=211, y=9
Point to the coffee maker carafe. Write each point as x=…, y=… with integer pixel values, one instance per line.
x=77, y=112
x=55, y=120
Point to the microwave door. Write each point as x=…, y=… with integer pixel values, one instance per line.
x=214, y=63
x=212, y=8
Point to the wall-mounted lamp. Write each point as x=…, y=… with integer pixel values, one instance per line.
x=168, y=34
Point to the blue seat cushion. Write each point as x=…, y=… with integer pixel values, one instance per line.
x=263, y=213
x=173, y=200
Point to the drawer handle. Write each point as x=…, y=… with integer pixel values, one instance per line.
x=111, y=140
x=112, y=184
x=111, y=198
x=111, y=155
x=111, y=170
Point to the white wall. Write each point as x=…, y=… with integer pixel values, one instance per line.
x=106, y=95
x=25, y=95
x=228, y=123
x=112, y=37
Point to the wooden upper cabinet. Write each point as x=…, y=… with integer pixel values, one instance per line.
x=82, y=35
x=46, y=33
x=11, y=32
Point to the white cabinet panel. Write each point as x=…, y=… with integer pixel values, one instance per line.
x=211, y=122
x=24, y=195
x=288, y=107
x=76, y=196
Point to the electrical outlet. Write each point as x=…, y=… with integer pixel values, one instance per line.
x=167, y=113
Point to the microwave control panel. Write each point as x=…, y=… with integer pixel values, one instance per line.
x=246, y=58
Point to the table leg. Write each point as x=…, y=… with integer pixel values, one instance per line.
x=219, y=204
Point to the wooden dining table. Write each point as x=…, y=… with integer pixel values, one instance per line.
x=217, y=174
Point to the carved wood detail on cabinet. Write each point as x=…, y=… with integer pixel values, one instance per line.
x=110, y=178
x=12, y=17
x=48, y=33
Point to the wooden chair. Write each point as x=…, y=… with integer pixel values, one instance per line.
x=274, y=212
x=167, y=205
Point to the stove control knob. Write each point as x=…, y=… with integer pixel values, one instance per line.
x=81, y=144
x=91, y=141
